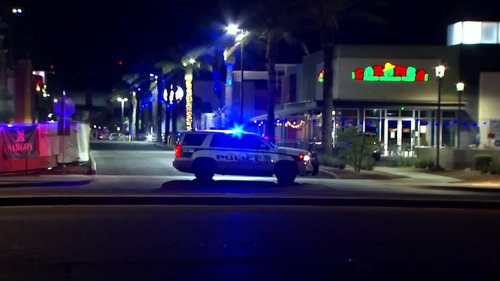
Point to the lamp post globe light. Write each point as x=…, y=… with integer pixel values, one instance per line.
x=240, y=35
x=460, y=88
x=122, y=101
x=440, y=71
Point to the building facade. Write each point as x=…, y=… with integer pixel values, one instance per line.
x=387, y=90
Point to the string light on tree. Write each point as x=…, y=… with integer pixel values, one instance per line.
x=294, y=124
x=189, y=100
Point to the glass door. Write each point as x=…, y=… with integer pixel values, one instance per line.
x=398, y=136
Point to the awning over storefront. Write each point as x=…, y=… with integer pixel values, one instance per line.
x=291, y=109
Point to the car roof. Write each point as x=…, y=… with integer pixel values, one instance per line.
x=218, y=132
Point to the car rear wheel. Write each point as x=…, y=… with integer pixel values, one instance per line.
x=204, y=169
x=285, y=172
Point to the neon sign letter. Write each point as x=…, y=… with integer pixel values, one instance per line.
x=390, y=73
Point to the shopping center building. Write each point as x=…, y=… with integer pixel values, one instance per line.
x=392, y=91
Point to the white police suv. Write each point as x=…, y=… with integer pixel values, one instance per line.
x=206, y=153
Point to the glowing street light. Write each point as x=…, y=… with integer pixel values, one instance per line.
x=55, y=100
x=232, y=29
x=460, y=89
x=240, y=35
x=440, y=70
x=122, y=100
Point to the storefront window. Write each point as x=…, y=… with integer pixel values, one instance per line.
x=406, y=113
x=392, y=113
x=449, y=114
x=372, y=113
x=448, y=133
x=426, y=132
x=372, y=126
x=426, y=114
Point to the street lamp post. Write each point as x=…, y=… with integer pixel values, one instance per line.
x=460, y=89
x=240, y=35
x=242, y=79
x=440, y=70
x=122, y=101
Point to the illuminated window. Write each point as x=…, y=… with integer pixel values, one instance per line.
x=455, y=32
x=489, y=33
x=474, y=32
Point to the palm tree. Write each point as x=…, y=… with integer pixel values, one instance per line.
x=326, y=16
x=274, y=22
x=215, y=56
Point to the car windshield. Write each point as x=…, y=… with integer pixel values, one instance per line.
x=218, y=139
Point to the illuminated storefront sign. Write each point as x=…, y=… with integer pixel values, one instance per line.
x=321, y=76
x=390, y=73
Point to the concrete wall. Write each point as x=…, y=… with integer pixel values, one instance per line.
x=489, y=105
x=457, y=159
x=350, y=57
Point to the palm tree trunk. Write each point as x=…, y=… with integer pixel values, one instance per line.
x=133, y=127
x=167, y=121
x=159, y=86
x=174, y=117
x=271, y=93
x=326, y=129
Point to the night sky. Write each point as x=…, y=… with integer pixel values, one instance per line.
x=84, y=40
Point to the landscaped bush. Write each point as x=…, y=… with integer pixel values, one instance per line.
x=482, y=163
x=409, y=161
x=331, y=161
x=368, y=164
x=424, y=163
x=495, y=169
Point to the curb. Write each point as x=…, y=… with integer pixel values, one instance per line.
x=248, y=201
x=459, y=188
x=45, y=183
x=328, y=171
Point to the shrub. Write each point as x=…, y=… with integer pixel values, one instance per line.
x=495, y=169
x=482, y=163
x=331, y=161
x=409, y=162
x=368, y=164
x=424, y=163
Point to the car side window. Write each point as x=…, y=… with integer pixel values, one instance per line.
x=223, y=141
x=245, y=142
x=193, y=139
x=253, y=142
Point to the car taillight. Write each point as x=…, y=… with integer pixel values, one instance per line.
x=178, y=151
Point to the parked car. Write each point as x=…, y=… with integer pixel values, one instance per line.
x=117, y=137
x=205, y=153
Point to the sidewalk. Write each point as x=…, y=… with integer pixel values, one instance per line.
x=35, y=181
x=348, y=174
x=423, y=178
x=413, y=174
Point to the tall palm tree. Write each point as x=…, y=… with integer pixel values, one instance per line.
x=133, y=82
x=326, y=16
x=273, y=23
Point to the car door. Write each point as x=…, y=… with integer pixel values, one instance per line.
x=238, y=155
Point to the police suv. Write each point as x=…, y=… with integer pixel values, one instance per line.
x=227, y=152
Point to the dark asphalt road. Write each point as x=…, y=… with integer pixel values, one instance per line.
x=247, y=243
x=132, y=158
x=143, y=169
